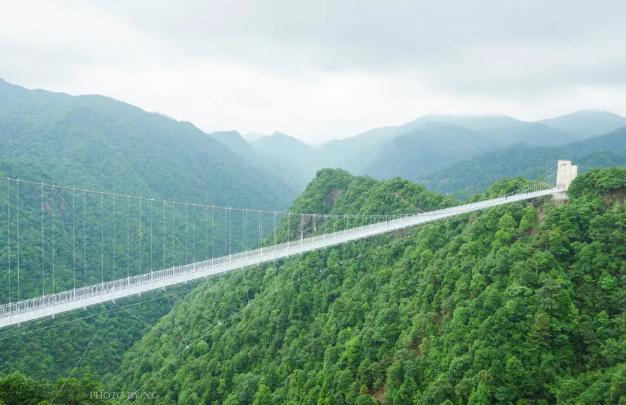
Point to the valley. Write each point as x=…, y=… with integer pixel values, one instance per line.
x=515, y=303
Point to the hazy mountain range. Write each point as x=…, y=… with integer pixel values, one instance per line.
x=429, y=149
x=98, y=142
x=451, y=154
x=382, y=319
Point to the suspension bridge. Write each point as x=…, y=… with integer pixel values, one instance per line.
x=59, y=260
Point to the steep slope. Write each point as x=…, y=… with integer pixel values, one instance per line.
x=522, y=303
x=409, y=151
x=103, y=144
x=431, y=147
x=476, y=174
x=97, y=141
x=236, y=143
x=273, y=164
x=503, y=130
x=356, y=153
x=587, y=122
x=288, y=148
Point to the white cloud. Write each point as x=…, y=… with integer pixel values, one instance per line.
x=322, y=69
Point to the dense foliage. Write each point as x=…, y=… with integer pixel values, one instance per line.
x=277, y=160
x=478, y=173
x=18, y=389
x=102, y=144
x=521, y=303
x=412, y=150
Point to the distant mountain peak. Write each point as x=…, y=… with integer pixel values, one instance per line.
x=231, y=132
x=282, y=135
x=592, y=111
x=587, y=122
x=281, y=138
x=444, y=117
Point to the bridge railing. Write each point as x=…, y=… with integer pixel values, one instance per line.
x=252, y=257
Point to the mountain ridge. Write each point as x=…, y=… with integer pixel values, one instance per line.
x=587, y=122
x=503, y=305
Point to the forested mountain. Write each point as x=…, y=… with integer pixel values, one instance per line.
x=523, y=303
x=503, y=130
x=356, y=153
x=285, y=147
x=448, y=152
x=439, y=141
x=587, y=122
x=476, y=174
x=419, y=147
x=431, y=147
x=99, y=143
x=296, y=177
x=392, y=151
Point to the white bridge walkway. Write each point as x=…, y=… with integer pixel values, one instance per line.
x=52, y=304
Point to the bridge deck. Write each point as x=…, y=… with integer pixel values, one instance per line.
x=52, y=304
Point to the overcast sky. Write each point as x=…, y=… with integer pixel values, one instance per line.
x=321, y=69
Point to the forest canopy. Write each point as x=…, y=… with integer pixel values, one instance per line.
x=523, y=302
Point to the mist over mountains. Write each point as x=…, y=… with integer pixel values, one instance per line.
x=322, y=203
x=437, y=149
x=104, y=144
x=446, y=152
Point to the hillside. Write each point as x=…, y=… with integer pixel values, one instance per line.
x=503, y=130
x=522, y=303
x=433, y=146
x=476, y=174
x=291, y=150
x=416, y=148
x=437, y=142
x=103, y=144
x=98, y=142
x=275, y=164
x=357, y=152
x=587, y=122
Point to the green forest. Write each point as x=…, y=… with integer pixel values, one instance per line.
x=467, y=178
x=101, y=144
x=519, y=304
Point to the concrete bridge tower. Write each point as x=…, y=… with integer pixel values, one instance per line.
x=565, y=174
